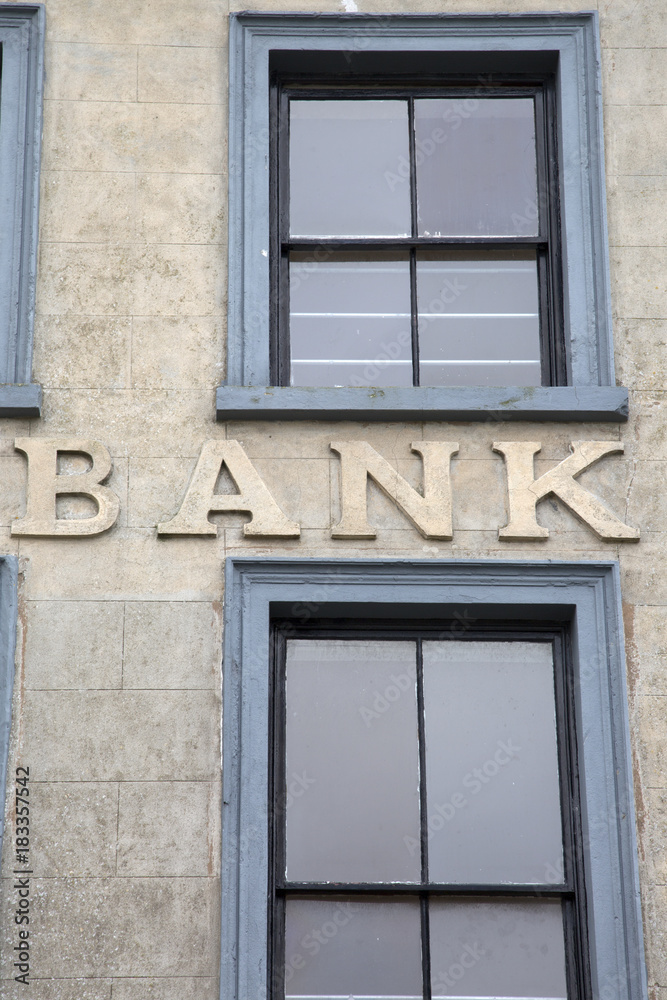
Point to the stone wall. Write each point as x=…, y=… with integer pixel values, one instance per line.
x=117, y=698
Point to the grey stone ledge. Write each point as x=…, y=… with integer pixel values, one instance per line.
x=572, y=403
x=21, y=400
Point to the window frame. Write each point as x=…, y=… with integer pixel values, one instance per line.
x=9, y=571
x=21, y=94
x=571, y=892
x=587, y=595
x=572, y=39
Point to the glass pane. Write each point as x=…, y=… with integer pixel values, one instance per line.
x=348, y=168
x=478, y=322
x=476, y=167
x=508, y=948
x=493, y=796
x=350, y=322
x=344, y=949
x=352, y=762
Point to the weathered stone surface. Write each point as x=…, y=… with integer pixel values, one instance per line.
x=169, y=828
x=171, y=645
x=183, y=988
x=112, y=736
x=73, y=645
x=83, y=352
x=181, y=74
x=74, y=828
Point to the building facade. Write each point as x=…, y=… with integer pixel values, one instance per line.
x=332, y=602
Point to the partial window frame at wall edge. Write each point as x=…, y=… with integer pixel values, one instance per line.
x=585, y=595
x=22, y=32
x=261, y=44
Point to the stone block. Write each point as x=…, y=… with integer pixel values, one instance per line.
x=655, y=931
x=82, y=352
x=148, y=423
x=634, y=75
x=635, y=139
x=125, y=927
x=157, y=488
x=646, y=436
x=476, y=438
x=12, y=495
x=646, y=638
x=162, y=22
x=640, y=347
x=119, y=736
x=301, y=488
x=73, y=645
x=74, y=828
x=182, y=208
x=87, y=206
x=188, y=138
x=655, y=802
x=172, y=645
x=620, y=26
x=87, y=280
x=647, y=496
x=635, y=211
x=183, y=988
x=90, y=72
x=638, y=284
x=174, y=352
x=178, y=74
x=173, y=280
x=652, y=739
x=169, y=828
x=642, y=570
x=57, y=989
x=311, y=439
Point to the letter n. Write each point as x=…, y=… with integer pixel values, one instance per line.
x=431, y=513
x=267, y=519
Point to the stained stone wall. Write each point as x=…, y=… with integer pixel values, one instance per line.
x=117, y=706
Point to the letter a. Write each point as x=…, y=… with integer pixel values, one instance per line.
x=523, y=490
x=45, y=484
x=431, y=513
x=267, y=519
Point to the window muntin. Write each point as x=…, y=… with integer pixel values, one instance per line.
x=349, y=706
x=439, y=177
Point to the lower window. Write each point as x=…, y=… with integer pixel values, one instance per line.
x=426, y=783
x=426, y=832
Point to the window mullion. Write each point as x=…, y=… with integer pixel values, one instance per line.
x=414, y=326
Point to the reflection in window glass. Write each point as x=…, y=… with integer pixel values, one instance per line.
x=350, y=322
x=478, y=322
x=492, y=762
x=340, y=152
x=476, y=167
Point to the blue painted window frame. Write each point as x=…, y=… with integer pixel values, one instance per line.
x=591, y=393
x=8, y=619
x=586, y=594
x=21, y=86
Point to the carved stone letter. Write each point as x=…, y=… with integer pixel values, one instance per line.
x=45, y=484
x=523, y=490
x=253, y=497
x=431, y=513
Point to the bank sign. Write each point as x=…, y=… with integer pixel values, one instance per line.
x=429, y=509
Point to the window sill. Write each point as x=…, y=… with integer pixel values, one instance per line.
x=578, y=403
x=21, y=400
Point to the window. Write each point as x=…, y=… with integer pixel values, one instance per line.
x=365, y=281
x=419, y=236
x=8, y=617
x=413, y=708
x=425, y=813
x=21, y=71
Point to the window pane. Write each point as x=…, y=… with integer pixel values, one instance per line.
x=485, y=950
x=491, y=763
x=348, y=163
x=343, y=948
x=352, y=762
x=476, y=167
x=478, y=322
x=350, y=322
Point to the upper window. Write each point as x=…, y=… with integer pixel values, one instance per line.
x=21, y=71
x=419, y=240
x=417, y=207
